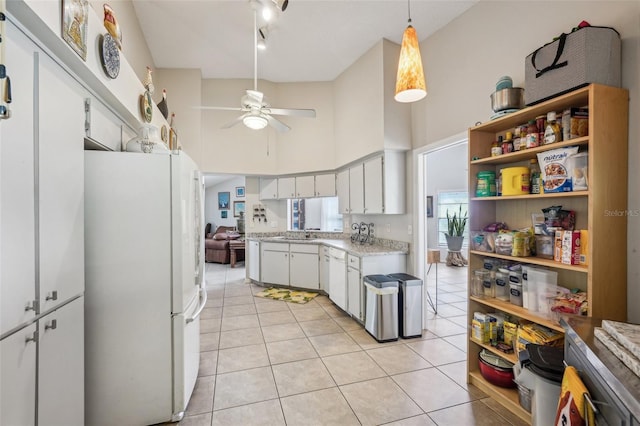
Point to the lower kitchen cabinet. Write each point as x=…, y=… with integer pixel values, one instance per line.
x=354, y=288
x=325, y=260
x=61, y=366
x=338, y=277
x=18, y=372
x=275, y=263
x=253, y=260
x=304, y=266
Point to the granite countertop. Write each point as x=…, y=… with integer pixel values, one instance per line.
x=342, y=244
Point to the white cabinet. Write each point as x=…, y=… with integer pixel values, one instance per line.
x=325, y=269
x=304, y=266
x=18, y=373
x=305, y=186
x=253, y=260
x=342, y=188
x=286, y=187
x=338, y=277
x=326, y=185
x=61, y=366
x=374, y=186
x=275, y=263
x=356, y=189
x=268, y=188
x=41, y=235
x=354, y=290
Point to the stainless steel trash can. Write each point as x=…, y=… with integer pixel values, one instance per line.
x=409, y=305
x=382, y=307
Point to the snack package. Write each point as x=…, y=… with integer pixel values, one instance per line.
x=570, y=247
x=554, y=169
x=483, y=241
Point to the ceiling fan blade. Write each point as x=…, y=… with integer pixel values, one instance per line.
x=218, y=108
x=277, y=124
x=234, y=122
x=292, y=111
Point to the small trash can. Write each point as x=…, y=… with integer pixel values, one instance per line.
x=409, y=305
x=542, y=375
x=381, y=320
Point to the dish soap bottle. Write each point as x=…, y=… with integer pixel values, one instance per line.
x=552, y=133
x=534, y=173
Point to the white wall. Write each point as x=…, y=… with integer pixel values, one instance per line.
x=465, y=59
x=211, y=212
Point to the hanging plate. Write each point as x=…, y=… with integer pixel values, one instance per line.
x=109, y=56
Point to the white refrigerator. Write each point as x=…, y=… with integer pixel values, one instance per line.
x=145, y=289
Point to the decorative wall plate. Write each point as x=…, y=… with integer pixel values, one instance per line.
x=164, y=134
x=146, y=108
x=109, y=56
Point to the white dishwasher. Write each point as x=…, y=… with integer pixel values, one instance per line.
x=338, y=277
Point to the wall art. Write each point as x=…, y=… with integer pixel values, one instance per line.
x=75, y=17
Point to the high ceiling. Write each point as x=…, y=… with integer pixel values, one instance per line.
x=309, y=41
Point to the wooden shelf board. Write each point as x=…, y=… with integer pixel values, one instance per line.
x=534, y=261
x=532, y=196
x=506, y=397
x=518, y=311
x=512, y=358
x=526, y=154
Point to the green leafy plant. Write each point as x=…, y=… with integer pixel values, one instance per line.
x=456, y=223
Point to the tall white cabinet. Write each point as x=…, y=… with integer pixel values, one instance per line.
x=41, y=241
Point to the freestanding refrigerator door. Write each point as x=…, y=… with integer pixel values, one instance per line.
x=186, y=354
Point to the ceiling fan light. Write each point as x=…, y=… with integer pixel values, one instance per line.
x=410, y=82
x=255, y=122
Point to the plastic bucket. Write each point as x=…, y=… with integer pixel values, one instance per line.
x=515, y=181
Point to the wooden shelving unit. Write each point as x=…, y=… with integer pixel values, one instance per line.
x=598, y=210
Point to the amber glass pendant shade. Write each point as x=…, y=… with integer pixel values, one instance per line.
x=410, y=83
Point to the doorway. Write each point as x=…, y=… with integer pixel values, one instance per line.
x=442, y=178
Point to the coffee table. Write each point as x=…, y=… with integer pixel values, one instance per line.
x=235, y=246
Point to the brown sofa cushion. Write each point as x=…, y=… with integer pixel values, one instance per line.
x=226, y=236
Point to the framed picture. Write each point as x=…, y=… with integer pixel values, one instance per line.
x=239, y=191
x=223, y=214
x=429, y=206
x=75, y=16
x=223, y=200
x=238, y=207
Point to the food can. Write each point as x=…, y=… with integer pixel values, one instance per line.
x=486, y=184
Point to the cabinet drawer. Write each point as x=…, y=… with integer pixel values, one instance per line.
x=275, y=246
x=304, y=248
x=353, y=261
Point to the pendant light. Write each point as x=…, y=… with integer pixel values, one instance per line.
x=410, y=83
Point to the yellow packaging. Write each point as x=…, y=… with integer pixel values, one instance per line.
x=510, y=332
x=540, y=335
x=584, y=247
x=480, y=331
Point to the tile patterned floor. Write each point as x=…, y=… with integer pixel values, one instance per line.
x=266, y=362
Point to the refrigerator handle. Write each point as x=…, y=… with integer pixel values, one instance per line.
x=203, y=302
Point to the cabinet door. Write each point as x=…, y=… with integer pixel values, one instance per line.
x=275, y=267
x=268, y=188
x=326, y=185
x=287, y=187
x=254, y=260
x=61, y=366
x=61, y=185
x=373, y=186
x=304, y=270
x=342, y=188
x=305, y=186
x=338, y=277
x=356, y=189
x=354, y=306
x=18, y=372
x=324, y=270
x=17, y=186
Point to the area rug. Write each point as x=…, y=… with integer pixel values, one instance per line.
x=292, y=296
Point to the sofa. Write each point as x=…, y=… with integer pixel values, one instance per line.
x=216, y=244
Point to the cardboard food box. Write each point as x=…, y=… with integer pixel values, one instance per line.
x=557, y=246
x=571, y=247
x=584, y=247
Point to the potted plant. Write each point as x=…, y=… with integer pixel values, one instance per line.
x=455, y=229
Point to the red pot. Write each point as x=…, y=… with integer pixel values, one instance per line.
x=496, y=370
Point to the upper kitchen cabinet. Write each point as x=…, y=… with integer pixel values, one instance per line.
x=268, y=188
x=305, y=186
x=375, y=185
x=367, y=118
x=286, y=187
x=326, y=185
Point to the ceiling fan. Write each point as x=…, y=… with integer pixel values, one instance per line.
x=256, y=113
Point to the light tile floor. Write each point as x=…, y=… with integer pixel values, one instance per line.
x=266, y=362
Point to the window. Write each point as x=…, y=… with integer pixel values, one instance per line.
x=319, y=214
x=452, y=201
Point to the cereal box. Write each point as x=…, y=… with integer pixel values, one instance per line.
x=571, y=247
x=584, y=247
